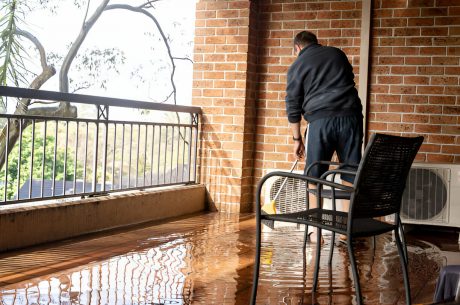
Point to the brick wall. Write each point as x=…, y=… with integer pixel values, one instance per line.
x=335, y=23
x=415, y=74
x=224, y=86
x=244, y=48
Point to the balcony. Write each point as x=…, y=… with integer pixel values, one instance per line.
x=118, y=163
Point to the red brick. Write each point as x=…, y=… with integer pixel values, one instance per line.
x=401, y=127
x=455, y=110
x=425, y=128
x=377, y=126
x=451, y=149
x=434, y=31
x=405, y=51
x=452, y=70
x=447, y=2
x=447, y=21
x=431, y=148
x=329, y=15
x=417, y=60
x=419, y=41
x=451, y=129
x=407, y=31
x=444, y=80
x=441, y=61
x=435, y=11
x=406, y=12
x=317, y=24
x=343, y=24
x=414, y=99
x=420, y=21
x=430, y=70
x=445, y=100
x=384, y=60
x=454, y=11
x=401, y=108
x=432, y=51
x=403, y=70
x=452, y=90
x=441, y=139
x=439, y=158
x=343, y=5
x=453, y=51
x=388, y=117
x=421, y=3
x=430, y=90
x=383, y=98
x=389, y=79
x=294, y=7
x=396, y=89
x=415, y=118
x=416, y=80
x=443, y=119
x=446, y=41
x=428, y=109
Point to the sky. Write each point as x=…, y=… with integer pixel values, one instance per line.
x=145, y=74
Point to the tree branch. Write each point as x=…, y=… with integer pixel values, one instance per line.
x=63, y=75
x=183, y=58
x=38, y=45
x=141, y=10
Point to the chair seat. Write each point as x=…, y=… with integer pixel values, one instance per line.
x=327, y=193
x=335, y=221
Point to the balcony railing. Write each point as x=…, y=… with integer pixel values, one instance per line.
x=139, y=145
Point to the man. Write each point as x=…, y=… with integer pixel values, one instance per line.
x=321, y=88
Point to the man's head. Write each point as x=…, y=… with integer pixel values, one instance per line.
x=302, y=40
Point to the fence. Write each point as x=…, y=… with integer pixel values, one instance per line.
x=51, y=152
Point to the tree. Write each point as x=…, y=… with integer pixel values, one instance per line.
x=13, y=69
x=44, y=165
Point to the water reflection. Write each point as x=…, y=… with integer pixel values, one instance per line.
x=213, y=265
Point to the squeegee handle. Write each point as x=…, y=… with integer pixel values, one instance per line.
x=285, y=180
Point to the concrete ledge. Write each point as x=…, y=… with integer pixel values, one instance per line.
x=23, y=226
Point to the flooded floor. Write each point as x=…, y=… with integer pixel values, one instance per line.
x=208, y=259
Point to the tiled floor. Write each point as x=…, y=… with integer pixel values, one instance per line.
x=208, y=259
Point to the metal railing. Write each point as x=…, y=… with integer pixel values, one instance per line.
x=137, y=147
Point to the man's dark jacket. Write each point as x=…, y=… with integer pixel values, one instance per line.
x=320, y=83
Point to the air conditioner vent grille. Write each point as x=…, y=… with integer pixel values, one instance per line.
x=292, y=197
x=426, y=197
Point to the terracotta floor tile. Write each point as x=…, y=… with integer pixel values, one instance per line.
x=208, y=259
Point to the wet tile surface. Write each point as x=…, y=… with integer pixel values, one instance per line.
x=208, y=259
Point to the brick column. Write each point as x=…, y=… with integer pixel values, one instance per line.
x=224, y=86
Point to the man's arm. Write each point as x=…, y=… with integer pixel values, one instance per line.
x=299, y=148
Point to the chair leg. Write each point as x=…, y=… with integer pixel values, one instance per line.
x=403, y=239
x=256, y=263
x=317, y=260
x=305, y=237
x=331, y=251
x=354, y=270
x=403, y=261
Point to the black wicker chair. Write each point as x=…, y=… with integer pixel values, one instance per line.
x=377, y=192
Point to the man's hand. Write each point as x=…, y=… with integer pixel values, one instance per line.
x=299, y=150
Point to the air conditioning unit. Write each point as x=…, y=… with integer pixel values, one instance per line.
x=432, y=195
x=292, y=197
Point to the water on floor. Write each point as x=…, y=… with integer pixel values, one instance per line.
x=208, y=259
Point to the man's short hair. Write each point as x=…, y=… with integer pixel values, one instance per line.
x=305, y=38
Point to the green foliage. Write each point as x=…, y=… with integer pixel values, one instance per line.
x=12, y=67
x=37, y=170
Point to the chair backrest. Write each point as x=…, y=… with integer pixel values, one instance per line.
x=381, y=176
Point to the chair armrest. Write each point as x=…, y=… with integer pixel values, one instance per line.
x=340, y=165
x=337, y=171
